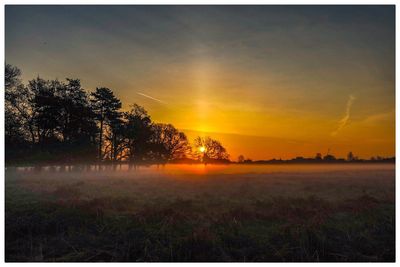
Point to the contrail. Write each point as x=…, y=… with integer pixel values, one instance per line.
x=152, y=98
x=343, y=122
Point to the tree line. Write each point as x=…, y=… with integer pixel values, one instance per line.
x=328, y=158
x=58, y=121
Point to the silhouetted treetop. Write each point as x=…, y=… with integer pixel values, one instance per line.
x=11, y=76
x=106, y=108
x=208, y=149
x=169, y=143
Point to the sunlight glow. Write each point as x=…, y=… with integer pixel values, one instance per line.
x=202, y=149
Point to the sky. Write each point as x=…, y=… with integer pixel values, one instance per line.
x=267, y=81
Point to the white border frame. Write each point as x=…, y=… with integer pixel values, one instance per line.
x=177, y=2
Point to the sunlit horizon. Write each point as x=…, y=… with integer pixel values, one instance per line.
x=319, y=81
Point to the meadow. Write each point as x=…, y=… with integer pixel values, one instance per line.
x=252, y=213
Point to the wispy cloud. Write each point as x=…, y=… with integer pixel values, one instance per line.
x=343, y=122
x=379, y=117
x=150, y=97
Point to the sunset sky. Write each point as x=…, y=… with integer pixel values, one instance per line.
x=267, y=81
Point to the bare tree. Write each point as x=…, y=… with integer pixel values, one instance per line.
x=168, y=142
x=207, y=149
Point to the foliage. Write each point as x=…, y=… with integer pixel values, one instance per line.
x=213, y=149
x=169, y=143
x=51, y=120
x=106, y=109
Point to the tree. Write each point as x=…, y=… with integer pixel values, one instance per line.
x=106, y=108
x=19, y=103
x=115, y=142
x=208, y=149
x=329, y=157
x=318, y=156
x=13, y=125
x=350, y=156
x=241, y=159
x=46, y=112
x=137, y=133
x=169, y=143
x=12, y=76
x=76, y=124
x=15, y=142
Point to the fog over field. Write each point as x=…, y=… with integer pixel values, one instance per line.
x=204, y=182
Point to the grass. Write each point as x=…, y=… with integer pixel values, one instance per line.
x=172, y=219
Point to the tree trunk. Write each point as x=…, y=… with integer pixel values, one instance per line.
x=114, y=147
x=33, y=139
x=101, y=139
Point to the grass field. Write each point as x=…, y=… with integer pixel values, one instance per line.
x=202, y=213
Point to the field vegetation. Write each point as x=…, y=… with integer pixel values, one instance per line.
x=189, y=213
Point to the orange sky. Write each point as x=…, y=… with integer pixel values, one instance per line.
x=268, y=82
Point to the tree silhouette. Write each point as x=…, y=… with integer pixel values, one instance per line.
x=76, y=122
x=329, y=157
x=350, y=156
x=115, y=139
x=106, y=109
x=137, y=133
x=49, y=117
x=12, y=76
x=18, y=104
x=169, y=143
x=208, y=149
x=13, y=122
x=46, y=112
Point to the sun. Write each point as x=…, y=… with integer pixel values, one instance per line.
x=202, y=149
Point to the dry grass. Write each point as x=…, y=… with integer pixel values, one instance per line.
x=340, y=214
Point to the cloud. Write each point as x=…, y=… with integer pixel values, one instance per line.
x=344, y=121
x=150, y=97
x=379, y=117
